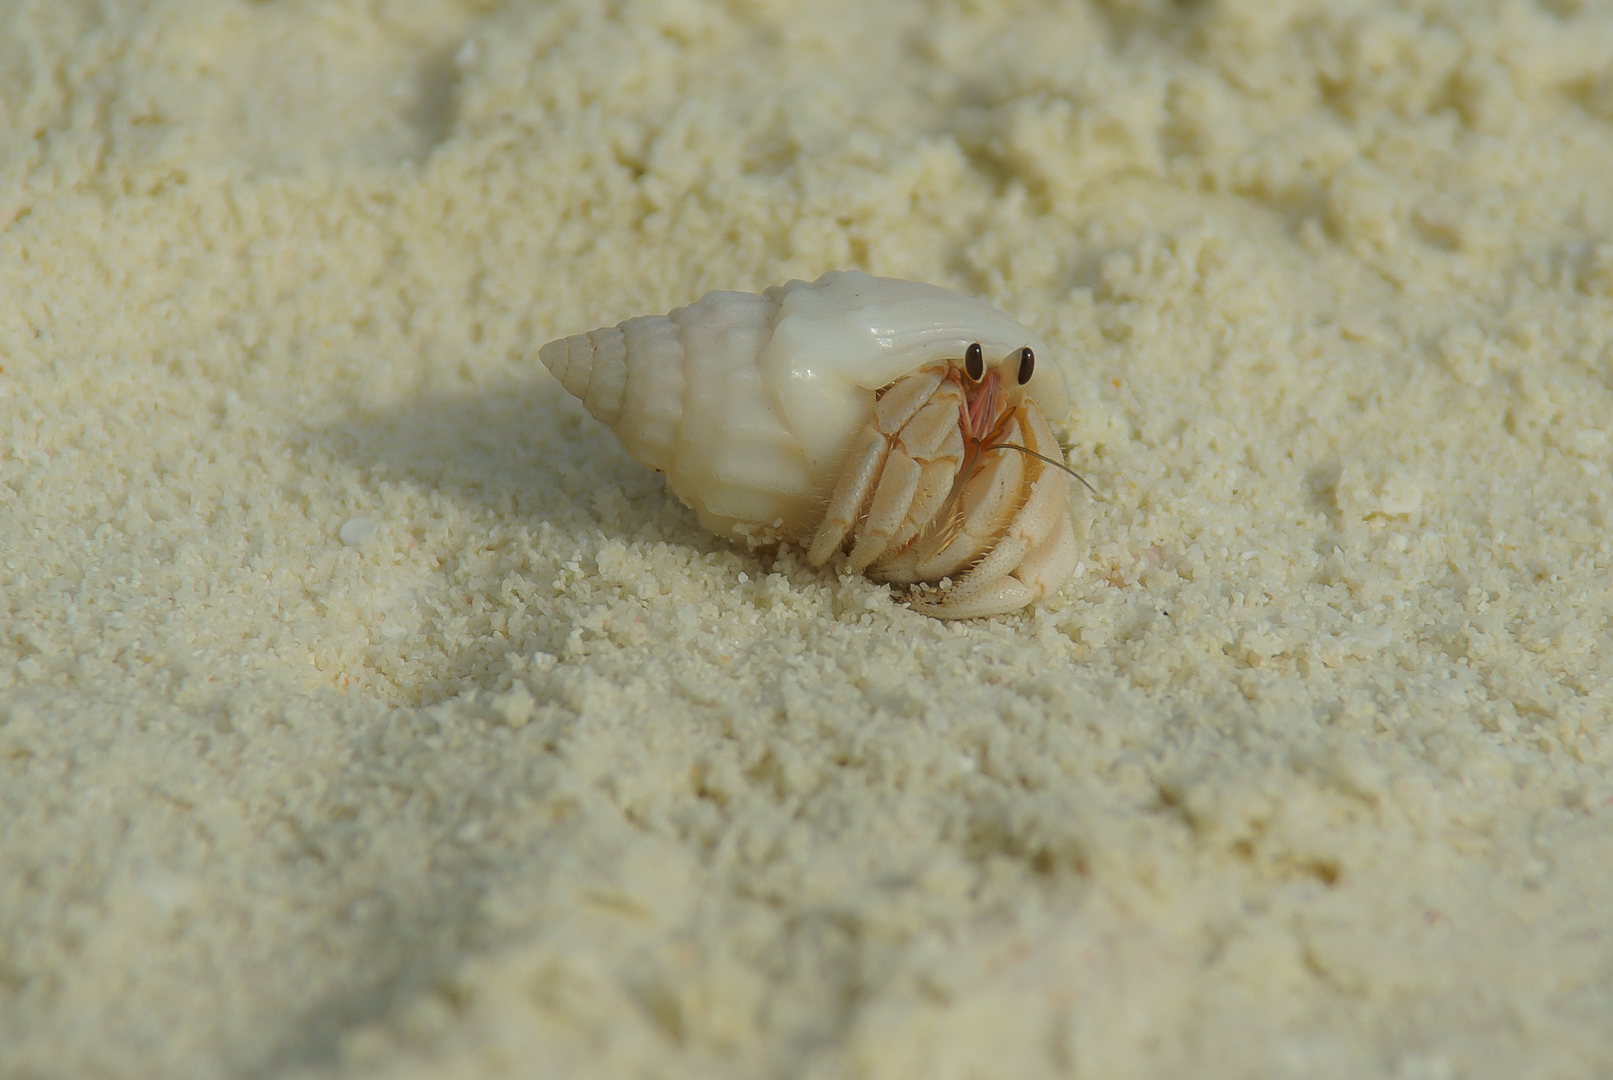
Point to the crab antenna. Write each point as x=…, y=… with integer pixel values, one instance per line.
x=1057, y=464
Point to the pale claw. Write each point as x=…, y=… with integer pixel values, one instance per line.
x=999, y=598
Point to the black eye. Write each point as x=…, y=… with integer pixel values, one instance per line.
x=974, y=364
x=1027, y=366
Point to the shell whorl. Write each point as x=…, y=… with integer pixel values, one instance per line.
x=684, y=394
x=631, y=378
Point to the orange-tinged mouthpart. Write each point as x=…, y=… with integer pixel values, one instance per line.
x=983, y=417
x=983, y=401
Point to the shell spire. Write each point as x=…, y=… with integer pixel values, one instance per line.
x=684, y=394
x=631, y=378
x=593, y=368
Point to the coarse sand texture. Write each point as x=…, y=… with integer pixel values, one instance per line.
x=366, y=712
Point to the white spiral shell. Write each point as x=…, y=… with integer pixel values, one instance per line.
x=749, y=402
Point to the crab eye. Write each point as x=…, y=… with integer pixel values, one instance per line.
x=1027, y=366
x=974, y=364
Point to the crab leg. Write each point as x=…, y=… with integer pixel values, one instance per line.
x=876, y=461
x=918, y=476
x=1036, y=551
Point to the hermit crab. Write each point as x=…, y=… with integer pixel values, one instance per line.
x=900, y=423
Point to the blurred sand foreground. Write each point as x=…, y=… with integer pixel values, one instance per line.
x=365, y=712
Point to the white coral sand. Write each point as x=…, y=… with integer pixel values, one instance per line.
x=365, y=712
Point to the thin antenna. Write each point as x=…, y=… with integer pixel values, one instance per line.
x=1051, y=461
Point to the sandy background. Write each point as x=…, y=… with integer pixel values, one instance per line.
x=365, y=712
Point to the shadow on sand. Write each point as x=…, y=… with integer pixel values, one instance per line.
x=508, y=457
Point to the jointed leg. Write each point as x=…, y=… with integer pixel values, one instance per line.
x=919, y=472
x=865, y=466
x=1036, y=553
